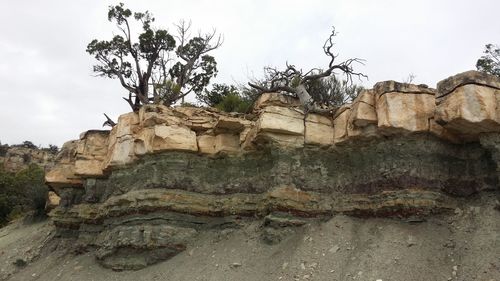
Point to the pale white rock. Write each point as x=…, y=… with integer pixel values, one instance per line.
x=125, y=124
x=282, y=120
x=470, y=109
x=275, y=99
x=363, y=111
x=340, y=123
x=319, y=130
x=174, y=137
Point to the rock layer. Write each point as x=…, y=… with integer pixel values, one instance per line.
x=140, y=192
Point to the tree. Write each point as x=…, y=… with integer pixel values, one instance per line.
x=490, y=62
x=216, y=94
x=296, y=82
x=332, y=92
x=153, y=68
x=228, y=98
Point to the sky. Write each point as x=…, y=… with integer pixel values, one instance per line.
x=49, y=95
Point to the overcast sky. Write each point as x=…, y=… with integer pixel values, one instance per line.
x=49, y=95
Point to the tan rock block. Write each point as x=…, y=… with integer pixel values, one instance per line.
x=280, y=140
x=93, y=145
x=52, y=202
x=151, y=114
x=470, y=109
x=122, y=153
x=340, y=123
x=227, y=143
x=88, y=168
x=281, y=120
x=399, y=112
x=62, y=175
x=363, y=110
x=275, y=99
x=319, y=130
x=143, y=142
x=174, y=137
x=206, y=144
x=231, y=124
x=125, y=124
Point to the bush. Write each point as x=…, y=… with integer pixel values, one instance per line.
x=228, y=98
x=22, y=192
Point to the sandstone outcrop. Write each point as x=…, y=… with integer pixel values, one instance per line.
x=18, y=157
x=140, y=192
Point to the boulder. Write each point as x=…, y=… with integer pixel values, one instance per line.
x=340, y=122
x=227, y=143
x=403, y=108
x=363, y=111
x=275, y=99
x=61, y=176
x=467, y=103
x=280, y=125
x=89, y=168
x=174, y=137
x=121, y=152
x=206, y=144
x=93, y=145
x=126, y=123
x=152, y=114
x=52, y=202
x=318, y=130
x=282, y=120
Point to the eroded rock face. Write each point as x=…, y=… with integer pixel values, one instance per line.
x=141, y=192
x=467, y=104
x=17, y=158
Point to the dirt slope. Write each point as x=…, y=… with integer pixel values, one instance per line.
x=460, y=246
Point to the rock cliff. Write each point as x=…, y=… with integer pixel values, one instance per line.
x=139, y=193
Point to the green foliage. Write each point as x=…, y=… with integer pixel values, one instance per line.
x=234, y=103
x=490, y=61
x=228, y=98
x=154, y=68
x=332, y=91
x=21, y=192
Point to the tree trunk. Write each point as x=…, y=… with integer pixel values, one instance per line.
x=308, y=103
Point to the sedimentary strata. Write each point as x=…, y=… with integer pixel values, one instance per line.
x=140, y=192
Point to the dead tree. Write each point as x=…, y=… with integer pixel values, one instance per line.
x=294, y=81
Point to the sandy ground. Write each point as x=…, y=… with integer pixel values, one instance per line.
x=461, y=246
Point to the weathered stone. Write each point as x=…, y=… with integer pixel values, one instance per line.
x=281, y=120
x=340, y=123
x=134, y=247
x=363, y=111
x=206, y=144
x=61, y=176
x=122, y=152
x=319, y=130
x=174, y=137
x=52, y=201
x=474, y=77
x=275, y=99
x=278, y=125
x=384, y=87
x=125, y=124
x=17, y=158
x=93, y=145
x=227, y=143
x=231, y=124
x=150, y=115
x=470, y=109
x=403, y=108
x=88, y=168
